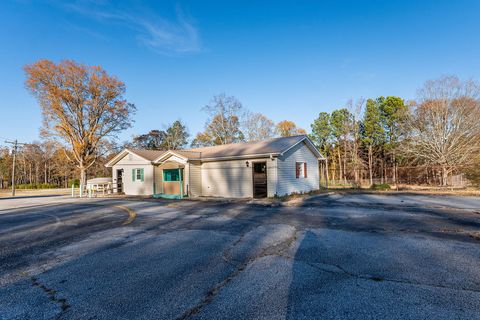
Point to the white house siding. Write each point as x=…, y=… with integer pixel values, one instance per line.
x=195, y=179
x=287, y=181
x=158, y=179
x=136, y=187
x=233, y=179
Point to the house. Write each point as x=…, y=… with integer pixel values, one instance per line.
x=279, y=166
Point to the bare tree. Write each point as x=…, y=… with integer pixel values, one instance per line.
x=258, y=127
x=48, y=149
x=356, y=109
x=372, y=132
x=223, y=123
x=445, y=126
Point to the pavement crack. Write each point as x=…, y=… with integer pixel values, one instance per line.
x=52, y=296
x=277, y=249
x=340, y=270
x=226, y=254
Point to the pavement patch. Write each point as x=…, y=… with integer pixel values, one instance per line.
x=52, y=295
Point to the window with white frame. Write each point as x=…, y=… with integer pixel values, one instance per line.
x=300, y=170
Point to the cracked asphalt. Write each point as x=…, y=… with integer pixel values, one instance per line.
x=332, y=256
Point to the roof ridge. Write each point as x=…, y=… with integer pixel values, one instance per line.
x=247, y=142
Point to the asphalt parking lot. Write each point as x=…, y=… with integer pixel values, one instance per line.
x=332, y=256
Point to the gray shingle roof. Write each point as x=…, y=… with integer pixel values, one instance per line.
x=273, y=146
x=148, y=154
x=277, y=145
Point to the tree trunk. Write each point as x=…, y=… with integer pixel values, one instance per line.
x=334, y=167
x=444, y=176
x=381, y=171
x=394, y=173
x=83, y=176
x=370, y=163
x=340, y=170
x=345, y=162
x=326, y=173
x=83, y=179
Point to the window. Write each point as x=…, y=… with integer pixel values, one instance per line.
x=300, y=170
x=259, y=167
x=137, y=174
x=171, y=175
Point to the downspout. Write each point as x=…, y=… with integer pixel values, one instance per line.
x=189, y=177
x=276, y=173
x=181, y=183
x=154, y=185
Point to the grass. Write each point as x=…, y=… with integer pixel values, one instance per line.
x=34, y=192
x=380, y=186
x=384, y=189
x=37, y=186
x=297, y=195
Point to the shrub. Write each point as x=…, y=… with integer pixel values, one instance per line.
x=473, y=175
x=380, y=186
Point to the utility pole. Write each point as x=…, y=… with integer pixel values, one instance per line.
x=15, y=147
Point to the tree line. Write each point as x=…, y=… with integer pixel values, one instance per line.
x=429, y=140
x=434, y=139
x=43, y=164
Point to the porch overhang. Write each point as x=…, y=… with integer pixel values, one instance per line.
x=170, y=183
x=170, y=156
x=170, y=165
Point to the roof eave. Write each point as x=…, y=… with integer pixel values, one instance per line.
x=112, y=162
x=249, y=156
x=169, y=152
x=311, y=145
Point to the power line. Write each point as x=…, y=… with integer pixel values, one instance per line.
x=5, y=138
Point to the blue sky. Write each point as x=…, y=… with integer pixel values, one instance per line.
x=287, y=60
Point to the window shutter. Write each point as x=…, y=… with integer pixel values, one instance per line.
x=297, y=170
x=305, y=169
x=133, y=174
x=141, y=174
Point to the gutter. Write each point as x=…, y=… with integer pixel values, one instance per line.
x=262, y=155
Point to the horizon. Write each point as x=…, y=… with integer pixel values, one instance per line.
x=286, y=61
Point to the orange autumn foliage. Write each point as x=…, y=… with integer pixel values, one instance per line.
x=81, y=105
x=288, y=128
